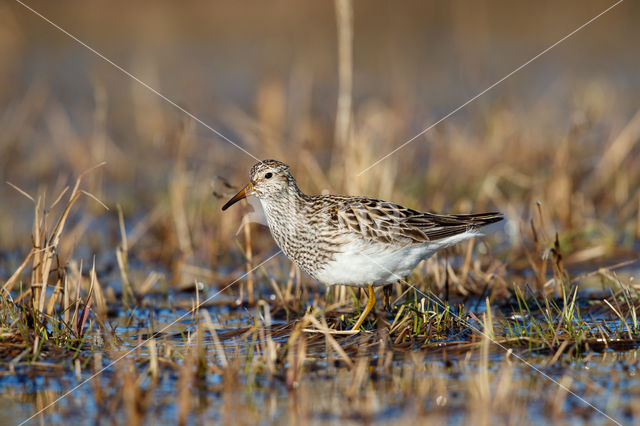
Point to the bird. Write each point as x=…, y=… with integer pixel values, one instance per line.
x=352, y=240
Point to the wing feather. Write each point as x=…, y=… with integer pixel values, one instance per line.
x=394, y=224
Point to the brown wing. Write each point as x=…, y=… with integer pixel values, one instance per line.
x=394, y=224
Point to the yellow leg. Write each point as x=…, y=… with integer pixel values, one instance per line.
x=370, y=305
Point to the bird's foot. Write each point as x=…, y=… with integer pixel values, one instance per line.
x=371, y=303
x=387, y=290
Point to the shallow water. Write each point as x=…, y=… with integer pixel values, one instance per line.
x=413, y=63
x=434, y=384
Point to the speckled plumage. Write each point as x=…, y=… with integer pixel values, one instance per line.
x=352, y=240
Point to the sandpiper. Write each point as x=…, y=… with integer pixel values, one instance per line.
x=351, y=240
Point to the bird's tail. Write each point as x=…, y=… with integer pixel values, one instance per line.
x=481, y=219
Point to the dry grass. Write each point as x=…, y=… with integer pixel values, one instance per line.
x=556, y=286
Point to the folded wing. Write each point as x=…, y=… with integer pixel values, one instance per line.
x=394, y=224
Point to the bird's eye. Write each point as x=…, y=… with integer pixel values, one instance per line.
x=268, y=175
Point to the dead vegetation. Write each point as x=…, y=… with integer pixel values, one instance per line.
x=179, y=310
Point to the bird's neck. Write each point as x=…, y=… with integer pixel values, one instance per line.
x=290, y=202
x=285, y=213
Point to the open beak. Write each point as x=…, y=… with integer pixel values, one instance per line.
x=244, y=193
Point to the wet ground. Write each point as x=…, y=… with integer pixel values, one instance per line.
x=554, y=147
x=376, y=379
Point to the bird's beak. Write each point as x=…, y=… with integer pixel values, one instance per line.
x=244, y=193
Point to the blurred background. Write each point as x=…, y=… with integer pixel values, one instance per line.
x=563, y=131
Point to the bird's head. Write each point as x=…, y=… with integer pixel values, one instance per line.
x=267, y=179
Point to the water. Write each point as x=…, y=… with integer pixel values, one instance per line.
x=66, y=110
x=396, y=384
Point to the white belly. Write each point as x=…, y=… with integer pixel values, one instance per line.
x=360, y=265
